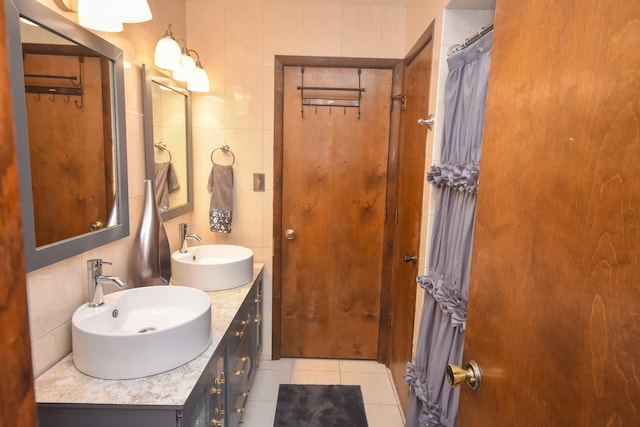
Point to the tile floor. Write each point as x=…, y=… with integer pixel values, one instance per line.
x=378, y=393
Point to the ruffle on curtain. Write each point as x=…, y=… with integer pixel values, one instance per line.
x=450, y=300
x=458, y=177
x=430, y=412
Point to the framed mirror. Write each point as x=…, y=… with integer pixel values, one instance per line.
x=68, y=100
x=167, y=139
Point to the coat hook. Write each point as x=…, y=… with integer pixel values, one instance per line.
x=36, y=97
x=52, y=98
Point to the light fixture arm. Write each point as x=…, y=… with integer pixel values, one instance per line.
x=198, y=63
x=67, y=5
x=169, y=33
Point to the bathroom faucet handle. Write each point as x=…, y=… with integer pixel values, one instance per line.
x=97, y=262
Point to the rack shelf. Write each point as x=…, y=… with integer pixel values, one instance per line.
x=330, y=101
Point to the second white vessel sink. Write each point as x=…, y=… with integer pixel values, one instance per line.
x=140, y=332
x=212, y=267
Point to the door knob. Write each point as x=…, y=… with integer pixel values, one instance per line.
x=410, y=258
x=290, y=234
x=470, y=374
x=429, y=121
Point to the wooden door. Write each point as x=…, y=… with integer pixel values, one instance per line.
x=411, y=168
x=333, y=198
x=553, y=316
x=17, y=404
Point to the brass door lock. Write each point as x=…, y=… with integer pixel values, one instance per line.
x=470, y=374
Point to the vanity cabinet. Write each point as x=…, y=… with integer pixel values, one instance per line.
x=206, y=405
x=244, y=344
x=239, y=363
x=211, y=390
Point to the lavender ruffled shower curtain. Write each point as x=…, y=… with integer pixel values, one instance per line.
x=432, y=402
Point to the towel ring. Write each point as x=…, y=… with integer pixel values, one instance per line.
x=225, y=149
x=163, y=147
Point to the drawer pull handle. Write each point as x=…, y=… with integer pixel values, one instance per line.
x=215, y=422
x=244, y=394
x=244, y=322
x=244, y=358
x=215, y=390
x=238, y=372
x=239, y=333
x=239, y=410
x=218, y=380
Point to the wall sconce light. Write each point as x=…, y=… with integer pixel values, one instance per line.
x=169, y=56
x=199, y=82
x=187, y=66
x=107, y=15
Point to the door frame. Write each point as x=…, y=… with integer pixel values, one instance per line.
x=282, y=61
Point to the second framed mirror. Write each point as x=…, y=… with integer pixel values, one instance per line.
x=167, y=139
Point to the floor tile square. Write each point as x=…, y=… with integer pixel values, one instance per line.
x=266, y=383
x=276, y=365
x=316, y=365
x=362, y=366
x=383, y=416
x=376, y=388
x=315, y=377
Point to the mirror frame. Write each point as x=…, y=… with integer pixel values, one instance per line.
x=149, y=76
x=38, y=257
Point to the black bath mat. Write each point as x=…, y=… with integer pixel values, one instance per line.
x=320, y=406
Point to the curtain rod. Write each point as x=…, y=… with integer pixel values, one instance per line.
x=469, y=41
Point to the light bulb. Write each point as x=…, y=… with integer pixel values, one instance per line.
x=168, y=54
x=99, y=15
x=186, y=70
x=200, y=80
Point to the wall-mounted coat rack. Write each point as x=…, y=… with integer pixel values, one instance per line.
x=331, y=101
x=52, y=90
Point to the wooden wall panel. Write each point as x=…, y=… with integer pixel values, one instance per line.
x=17, y=406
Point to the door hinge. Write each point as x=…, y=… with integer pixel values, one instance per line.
x=403, y=98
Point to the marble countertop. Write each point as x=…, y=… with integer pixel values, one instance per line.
x=63, y=383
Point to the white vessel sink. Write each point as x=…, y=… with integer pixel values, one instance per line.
x=141, y=331
x=212, y=267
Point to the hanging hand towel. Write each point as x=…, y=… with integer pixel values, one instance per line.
x=221, y=207
x=166, y=181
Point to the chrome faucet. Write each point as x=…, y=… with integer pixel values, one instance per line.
x=184, y=237
x=96, y=280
